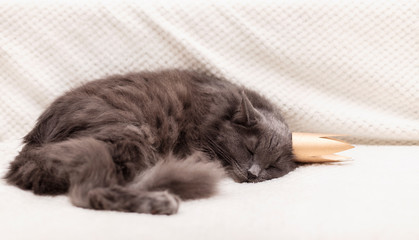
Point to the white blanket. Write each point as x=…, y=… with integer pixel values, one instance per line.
x=347, y=67
x=374, y=197
x=333, y=66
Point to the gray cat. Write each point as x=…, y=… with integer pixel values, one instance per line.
x=143, y=142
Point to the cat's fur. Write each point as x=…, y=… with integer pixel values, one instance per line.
x=143, y=142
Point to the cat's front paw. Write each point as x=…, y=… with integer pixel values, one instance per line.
x=159, y=203
x=118, y=198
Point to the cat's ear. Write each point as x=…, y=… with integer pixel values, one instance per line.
x=246, y=115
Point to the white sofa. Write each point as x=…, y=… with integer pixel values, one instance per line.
x=347, y=67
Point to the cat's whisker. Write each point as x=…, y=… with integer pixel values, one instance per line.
x=226, y=157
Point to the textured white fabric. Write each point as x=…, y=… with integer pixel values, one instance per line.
x=374, y=197
x=347, y=67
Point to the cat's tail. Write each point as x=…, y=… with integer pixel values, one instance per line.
x=191, y=178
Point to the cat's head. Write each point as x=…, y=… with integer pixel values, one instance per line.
x=255, y=144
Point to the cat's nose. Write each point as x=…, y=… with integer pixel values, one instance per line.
x=253, y=171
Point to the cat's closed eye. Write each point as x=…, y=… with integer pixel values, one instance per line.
x=251, y=152
x=251, y=145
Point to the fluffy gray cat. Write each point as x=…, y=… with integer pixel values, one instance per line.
x=142, y=142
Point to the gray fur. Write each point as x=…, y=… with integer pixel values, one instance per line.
x=142, y=142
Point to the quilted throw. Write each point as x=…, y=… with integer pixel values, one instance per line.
x=347, y=67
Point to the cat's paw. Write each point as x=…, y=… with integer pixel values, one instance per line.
x=118, y=198
x=159, y=203
x=29, y=175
